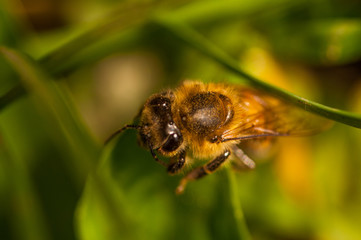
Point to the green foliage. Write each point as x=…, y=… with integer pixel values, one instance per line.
x=57, y=181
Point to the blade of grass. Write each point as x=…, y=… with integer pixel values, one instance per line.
x=123, y=30
x=53, y=61
x=118, y=32
x=10, y=96
x=194, y=39
x=236, y=205
x=60, y=61
x=121, y=27
x=26, y=212
x=209, y=12
x=53, y=103
x=73, y=136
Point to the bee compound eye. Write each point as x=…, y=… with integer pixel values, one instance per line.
x=160, y=101
x=173, y=142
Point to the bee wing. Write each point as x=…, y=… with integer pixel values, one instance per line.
x=274, y=118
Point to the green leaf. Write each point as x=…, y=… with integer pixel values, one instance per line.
x=69, y=132
x=53, y=102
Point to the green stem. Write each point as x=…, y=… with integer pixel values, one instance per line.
x=236, y=205
x=202, y=44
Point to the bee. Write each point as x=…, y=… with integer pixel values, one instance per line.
x=209, y=121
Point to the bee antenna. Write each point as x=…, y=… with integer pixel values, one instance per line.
x=121, y=130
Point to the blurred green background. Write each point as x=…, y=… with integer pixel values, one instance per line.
x=88, y=66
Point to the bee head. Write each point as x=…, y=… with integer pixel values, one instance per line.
x=158, y=131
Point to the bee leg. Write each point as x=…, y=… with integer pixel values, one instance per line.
x=202, y=171
x=178, y=165
x=156, y=157
x=244, y=159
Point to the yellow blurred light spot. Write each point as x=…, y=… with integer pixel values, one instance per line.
x=293, y=166
x=261, y=64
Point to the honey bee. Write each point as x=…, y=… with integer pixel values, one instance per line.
x=209, y=121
